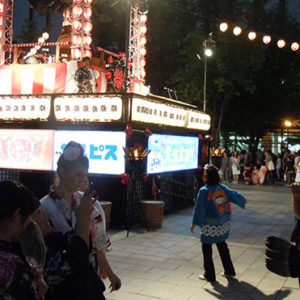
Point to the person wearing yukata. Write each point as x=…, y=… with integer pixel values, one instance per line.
x=83, y=77
x=212, y=214
x=61, y=203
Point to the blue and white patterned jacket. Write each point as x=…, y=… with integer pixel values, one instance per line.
x=212, y=212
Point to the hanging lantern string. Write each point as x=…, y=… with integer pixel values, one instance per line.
x=252, y=35
x=38, y=44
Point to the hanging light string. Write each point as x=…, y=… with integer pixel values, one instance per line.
x=252, y=35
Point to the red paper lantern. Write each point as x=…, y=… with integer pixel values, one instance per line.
x=143, y=18
x=88, y=40
x=88, y=12
x=143, y=74
x=143, y=51
x=89, y=2
x=143, y=41
x=1, y=19
x=76, y=40
x=76, y=25
x=1, y=32
x=1, y=7
x=88, y=26
x=76, y=53
x=144, y=29
x=77, y=11
x=143, y=62
x=87, y=53
x=77, y=1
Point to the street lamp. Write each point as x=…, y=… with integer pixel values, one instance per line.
x=207, y=53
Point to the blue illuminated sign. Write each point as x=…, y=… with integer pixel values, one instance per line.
x=172, y=153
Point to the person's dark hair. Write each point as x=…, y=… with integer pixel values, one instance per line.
x=211, y=175
x=269, y=152
x=86, y=58
x=73, y=153
x=14, y=195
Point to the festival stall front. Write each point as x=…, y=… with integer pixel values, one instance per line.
x=139, y=147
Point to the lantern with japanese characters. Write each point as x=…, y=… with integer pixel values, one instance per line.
x=81, y=29
x=142, y=48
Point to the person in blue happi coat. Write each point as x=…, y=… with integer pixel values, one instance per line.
x=212, y=214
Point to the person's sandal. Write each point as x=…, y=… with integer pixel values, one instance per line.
x=227, y=276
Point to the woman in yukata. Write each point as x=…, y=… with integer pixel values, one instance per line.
x=17, y=279
x=60, y=204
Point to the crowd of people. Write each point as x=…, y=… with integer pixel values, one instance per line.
x=73, y=225
x=257, y=168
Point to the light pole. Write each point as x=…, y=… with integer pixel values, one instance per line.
x=207, y=53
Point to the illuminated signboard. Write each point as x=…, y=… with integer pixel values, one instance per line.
x=103, y=148
x=98, y=109
x=165, y=114
x=172, y=153
x=26, y=149
x=24, y=108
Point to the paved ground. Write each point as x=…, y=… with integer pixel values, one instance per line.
x=165, y=263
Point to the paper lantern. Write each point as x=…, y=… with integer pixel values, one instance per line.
x=77, y=11
x=143, y=51
x=281, y=44
x=223, y=26
x=89, y=2
x=77, y=1
x=87, y=12
x=76, y=25
x=37, y=47
x=267, y=39
x=143, y=18
x=33, y=51
x=76, y=40
x=76, y=53
x=88, y=26
x=1, y=32
x=41, y=40
x=143, y=62
x=45, y=36
x=143, y=40
x=295, y=46
x=88, y=40
x=1, y=20
x=87, y=53
x=143, y=74
x=252, y=35
x=1, y=7
x=237, y=30
x=144, y=29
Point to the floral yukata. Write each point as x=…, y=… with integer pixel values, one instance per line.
x=63, y=218
x=213, y=212
x=16, y=278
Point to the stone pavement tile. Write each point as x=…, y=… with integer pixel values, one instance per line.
x=133, y=267
x=168, y=254
x=156, y=264
x=240, y=268
x=265, y=295
x=177, y=249
x=135, y=274
x=180, y=261
x=119, y=295
x=188, y=255
x=290, y=294
x=292, y=283
x=152, y=283
x=259, y=266
x=138, y=250
x=139, y=258
x=206, y=295
x=173, y=273
x=164, y=294
x=192, y=281
x=271, y=284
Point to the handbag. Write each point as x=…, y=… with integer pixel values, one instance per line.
x=271, y=165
